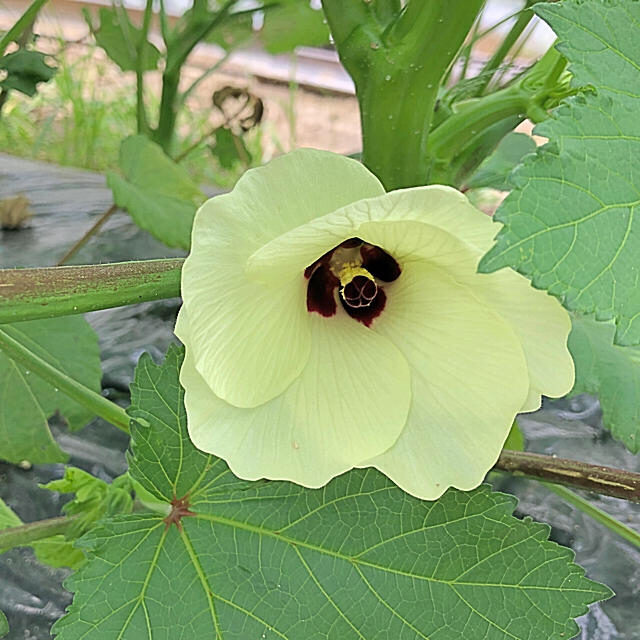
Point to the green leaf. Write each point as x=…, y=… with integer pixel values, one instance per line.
x=356, y=559
x=293, y=23
x=158, y=193
x=54, y=551
x=120, y=39
x=8, y=518
x=515, y=439
x=57, y=552
x=612, y=373
x=4, y=625
x=571, y=223
x=25, y=69
x=230, y=149
x=495, y=170
x=27, y=401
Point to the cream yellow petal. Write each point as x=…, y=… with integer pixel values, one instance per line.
x=469, y=379
x=351, y=401
x=433, y=205
x=250, y=342
x=539, y=321
x=438, y=224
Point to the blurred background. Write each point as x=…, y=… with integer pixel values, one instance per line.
x=282, y=56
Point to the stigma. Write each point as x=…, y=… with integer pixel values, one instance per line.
x=358, y=287
x=358, y=271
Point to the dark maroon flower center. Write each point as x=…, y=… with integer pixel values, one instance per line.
x=357, y=270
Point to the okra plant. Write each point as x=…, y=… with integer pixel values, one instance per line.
x=355, y=343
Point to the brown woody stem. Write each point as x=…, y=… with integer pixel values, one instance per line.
x=607, y=481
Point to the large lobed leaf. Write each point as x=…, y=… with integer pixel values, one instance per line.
x=613, y=373
x=356, y=559
x=158, y=193
x=571, y=223
x=27, y=401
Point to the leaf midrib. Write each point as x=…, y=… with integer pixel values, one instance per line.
x=358, y=561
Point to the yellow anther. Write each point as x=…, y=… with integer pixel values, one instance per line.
x=350, y=270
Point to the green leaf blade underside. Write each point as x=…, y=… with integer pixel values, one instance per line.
x=291, y=24
x=355, y=559
x=571, y=223
x=612, y=373
x=26, y=401
x=158, y=194
x=25, y=69
x=121, y=39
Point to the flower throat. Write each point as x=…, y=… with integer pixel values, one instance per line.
x=358, y=270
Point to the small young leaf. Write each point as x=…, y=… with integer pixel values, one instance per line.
x=611, y=372
x=495, y=170
x=69, y=344
x=120, y=39
x=571, y=223
x=159, y=194
x=25, y=70
x=94, y=498
x=355, y=559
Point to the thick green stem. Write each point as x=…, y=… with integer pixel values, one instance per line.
x=25, y=534
x=397, y=70
x=386, y=10
x=597, y=514
x=178, y=49
x=93, y=401
x=163, y=134
x=29, y=294
x=141, y=111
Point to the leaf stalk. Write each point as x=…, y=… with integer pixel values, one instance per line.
x=93, y=401
x=597, y=514
x=25, y=534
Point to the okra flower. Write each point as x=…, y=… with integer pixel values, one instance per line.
x=330, y=325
